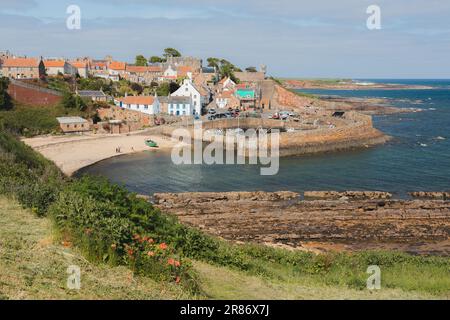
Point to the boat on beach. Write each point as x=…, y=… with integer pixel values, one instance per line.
x=151, y=143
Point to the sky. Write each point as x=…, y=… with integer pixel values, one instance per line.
x=294, y=38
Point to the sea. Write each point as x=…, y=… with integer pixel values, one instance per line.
x=416, y=159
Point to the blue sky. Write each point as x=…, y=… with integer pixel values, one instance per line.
x=295, y=38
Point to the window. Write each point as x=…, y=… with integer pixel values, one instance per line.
x=145, y=107
x=187, y=89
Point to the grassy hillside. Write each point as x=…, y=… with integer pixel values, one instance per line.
x=33, y=265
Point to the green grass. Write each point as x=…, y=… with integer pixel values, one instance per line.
x=33, y=266
x=34, y=120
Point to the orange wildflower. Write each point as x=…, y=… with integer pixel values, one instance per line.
x=171, y=261
x=178, y=279
x=163, y=246
x=177, y=263
x=150, y=253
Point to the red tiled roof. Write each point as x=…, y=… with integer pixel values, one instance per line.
x=137, y=100
x=117, y=65
x=183, y=71
x=21, y=62
x=54, y=63
x=78, y=64
x=139, y=69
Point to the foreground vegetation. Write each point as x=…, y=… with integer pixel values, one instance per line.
x=111, y=228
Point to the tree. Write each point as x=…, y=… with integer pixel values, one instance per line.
x=167, y=88
x=171, y=52
x=226, y=68
x=71, y=101
x=5, y=99
x=156, y=59
x=141, y=61
x=251, y=69
x=213, y=62
x=137, y=87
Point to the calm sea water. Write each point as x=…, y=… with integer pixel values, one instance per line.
x=418, y=158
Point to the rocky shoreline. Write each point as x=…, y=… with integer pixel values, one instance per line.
x=319, y=220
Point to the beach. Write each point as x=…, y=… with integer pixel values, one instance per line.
x=73, y=152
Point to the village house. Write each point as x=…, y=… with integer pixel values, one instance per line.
x=116, y=70
x=99, y=68
x=81, y=67
x=96, y=96
x=188, y=89
x=170, y=74
x=226, y=84
x=55, y=67
x=227, y=100
x=184, y=71
x=180, y=106
x=73, y=124
x=142, y=74
x=23, y=68
x=194, y=63
x=247, y=97
x=144, y=104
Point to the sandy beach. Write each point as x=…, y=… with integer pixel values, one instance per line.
x=73, y=152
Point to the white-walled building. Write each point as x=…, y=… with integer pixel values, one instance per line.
x=188, y=89
x=145, y=104
x=170, y=73
x=180, y=106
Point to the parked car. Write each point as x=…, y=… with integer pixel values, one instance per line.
x=211, y=111
x=275, y=116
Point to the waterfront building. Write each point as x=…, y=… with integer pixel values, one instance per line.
x=73, y=124
x=180, y=106
x=144, y=104
x=188, y=89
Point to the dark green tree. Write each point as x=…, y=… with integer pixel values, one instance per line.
x=251, y=69
x=141, y=61
x=171, y=52
x=156, y=59
x=5, y=99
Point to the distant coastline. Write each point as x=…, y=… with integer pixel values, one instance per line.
x=342, y=84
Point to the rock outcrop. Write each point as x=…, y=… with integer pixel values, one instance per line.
x=356, y=220
x=351, y=195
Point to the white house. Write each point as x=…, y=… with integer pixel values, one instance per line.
x=227, y=84
x=188, y=89
x=170, y=73
x=180, y=106
x=144, y=104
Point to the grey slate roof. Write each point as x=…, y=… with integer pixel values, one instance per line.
x=185, y=100
x=91, y=93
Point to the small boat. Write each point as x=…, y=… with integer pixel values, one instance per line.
x=151, y=143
